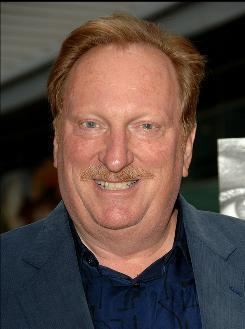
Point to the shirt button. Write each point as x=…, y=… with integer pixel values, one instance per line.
x=90, y=260
x=136, y=285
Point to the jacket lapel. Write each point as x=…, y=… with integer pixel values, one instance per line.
x=52, y=296
x=217, y=268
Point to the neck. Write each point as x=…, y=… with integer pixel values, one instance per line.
x=130, y=251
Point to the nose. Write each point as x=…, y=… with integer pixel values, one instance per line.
x=116, y=154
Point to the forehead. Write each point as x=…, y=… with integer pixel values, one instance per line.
x=122, y=71
x=100, y=61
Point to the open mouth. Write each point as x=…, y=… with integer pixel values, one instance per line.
x=115, y=186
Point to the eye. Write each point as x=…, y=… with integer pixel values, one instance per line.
x=148, y=126
x=147, y=129
x=90, y=128
x=88, y=124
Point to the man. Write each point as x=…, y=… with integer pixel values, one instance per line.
x=124, y=249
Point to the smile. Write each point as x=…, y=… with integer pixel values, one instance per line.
x=115, y=186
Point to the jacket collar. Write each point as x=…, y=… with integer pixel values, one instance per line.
x=202, y=225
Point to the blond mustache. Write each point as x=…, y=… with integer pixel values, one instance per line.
x=129, y=173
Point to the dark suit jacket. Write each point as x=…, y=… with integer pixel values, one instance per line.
x=42, y=288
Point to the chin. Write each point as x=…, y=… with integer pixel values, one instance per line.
x=116, y=221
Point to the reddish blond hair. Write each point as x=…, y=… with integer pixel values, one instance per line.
x=123, y=29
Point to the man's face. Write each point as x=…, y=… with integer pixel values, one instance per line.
x=121, y=153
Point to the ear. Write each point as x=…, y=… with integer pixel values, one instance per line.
x=188, y=147
x=55, y=150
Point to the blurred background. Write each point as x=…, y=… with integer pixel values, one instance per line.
x=31, y=34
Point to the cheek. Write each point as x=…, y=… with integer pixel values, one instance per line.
x=78, y=152
x=149, y=153
x=161, y=155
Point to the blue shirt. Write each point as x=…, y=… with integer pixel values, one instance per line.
x=163, y=296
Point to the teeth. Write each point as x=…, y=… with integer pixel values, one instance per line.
x=115, y=186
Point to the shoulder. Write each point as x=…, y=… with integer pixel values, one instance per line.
x=230, y=226
x=21, y=235
x=16, y=240
x=16, y=243
x=209, y=223
x=26, y=232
